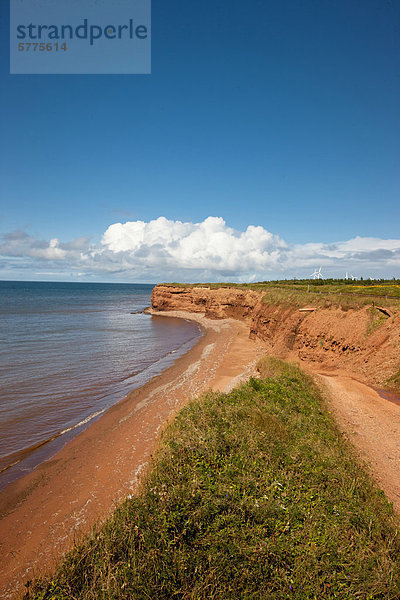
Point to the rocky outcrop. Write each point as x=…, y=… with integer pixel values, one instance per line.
x=362, y=341
x=215, y=303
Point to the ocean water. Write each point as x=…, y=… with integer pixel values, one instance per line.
x=68, y=352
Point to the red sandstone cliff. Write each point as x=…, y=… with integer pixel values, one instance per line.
x=361, y=341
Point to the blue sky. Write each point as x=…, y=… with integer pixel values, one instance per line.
x=280, y=115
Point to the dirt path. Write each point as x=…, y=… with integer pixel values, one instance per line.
x=373, y=426
x=42, y=513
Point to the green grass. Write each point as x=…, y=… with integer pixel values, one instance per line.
x=393, y=382
x=301, y=292
x=252, y=495
x=381, y=288
x=376, y=320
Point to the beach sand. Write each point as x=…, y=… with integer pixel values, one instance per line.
x=44, y=512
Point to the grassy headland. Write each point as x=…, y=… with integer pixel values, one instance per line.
x=326, y=292
x=252, y=494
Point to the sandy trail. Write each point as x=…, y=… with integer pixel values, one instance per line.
x=41, y=514
x=372, y=424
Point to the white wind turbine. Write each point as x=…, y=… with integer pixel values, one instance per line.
x=317, y=274
x=349, y=276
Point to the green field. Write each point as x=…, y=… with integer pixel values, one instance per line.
x=381, y=287
x=322, y=292
x=252, y=495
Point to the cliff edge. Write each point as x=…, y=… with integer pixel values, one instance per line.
x=363, y=341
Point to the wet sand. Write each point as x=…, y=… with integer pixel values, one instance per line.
x=42, y=513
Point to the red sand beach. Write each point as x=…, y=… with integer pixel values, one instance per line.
x=42, y=513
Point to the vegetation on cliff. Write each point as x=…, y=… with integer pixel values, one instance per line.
x=325, y=292
x=358, y=333
x=252, y=494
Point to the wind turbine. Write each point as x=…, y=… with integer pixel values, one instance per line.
x=349, y=276
x=317, y=274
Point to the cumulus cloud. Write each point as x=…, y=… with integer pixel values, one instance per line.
x=210, y=245
x=163, y=249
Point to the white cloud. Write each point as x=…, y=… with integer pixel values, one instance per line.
x=207, y=245
x=20, y=244
x=163, y=249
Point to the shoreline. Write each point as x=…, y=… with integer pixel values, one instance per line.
x=42, y=513
x=20, y=462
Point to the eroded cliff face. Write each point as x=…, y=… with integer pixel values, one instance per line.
x=215, y=303
x=361, y=341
